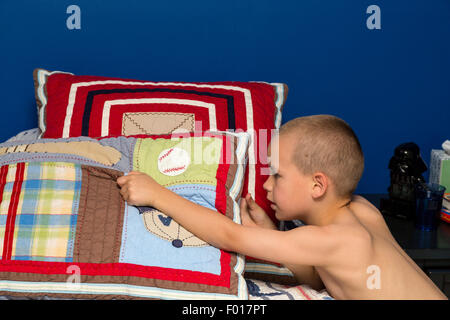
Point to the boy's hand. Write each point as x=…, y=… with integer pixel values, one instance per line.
x=253, y=215
x=138, y=189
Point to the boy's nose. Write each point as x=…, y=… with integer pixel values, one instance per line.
x=268, y=184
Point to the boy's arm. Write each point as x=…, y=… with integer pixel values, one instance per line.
x=308, y=245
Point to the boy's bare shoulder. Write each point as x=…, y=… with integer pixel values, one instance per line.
x=349, y=235
x=370, y=219
x=360, y=223
x=367, y=214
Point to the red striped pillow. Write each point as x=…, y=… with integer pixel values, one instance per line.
x=71, y=106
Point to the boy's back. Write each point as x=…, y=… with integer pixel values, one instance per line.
x=390, y=273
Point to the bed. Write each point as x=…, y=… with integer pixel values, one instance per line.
x=65, y=231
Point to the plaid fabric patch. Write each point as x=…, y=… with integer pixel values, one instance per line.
x=46, y=215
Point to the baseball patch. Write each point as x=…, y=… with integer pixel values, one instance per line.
x=173, y=161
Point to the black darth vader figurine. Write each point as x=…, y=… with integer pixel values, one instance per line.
x=406, y=167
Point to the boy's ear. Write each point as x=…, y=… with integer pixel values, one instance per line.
x=320, y=184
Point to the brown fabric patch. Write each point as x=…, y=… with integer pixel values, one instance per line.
x=267, y=277
x=279, y=278
x=151, y=123
x=100, y=217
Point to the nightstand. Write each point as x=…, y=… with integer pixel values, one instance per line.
x=430, y=250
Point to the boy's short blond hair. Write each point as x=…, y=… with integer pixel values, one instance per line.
x=327, y=144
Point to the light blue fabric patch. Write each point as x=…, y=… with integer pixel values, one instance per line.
x=139, y=246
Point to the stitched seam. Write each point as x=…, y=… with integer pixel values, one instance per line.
x=182, y=123
x=189, y=181
x=136, y=124
x=47, y=159
x=165, y=154
x=125, y=235
x=178, y=231
x=173, y=169
x=194, y=188
x=138, y=155
x=84, y=213
x=153, y=219
x=104, y=223
x=131, y=158
x=123, y=125
x=78, y=177
x=117, y=241
x=158, y=113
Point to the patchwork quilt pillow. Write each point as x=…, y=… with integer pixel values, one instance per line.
x=71, y=106
x=66, y=232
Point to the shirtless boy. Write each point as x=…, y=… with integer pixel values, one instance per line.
x=345, y=247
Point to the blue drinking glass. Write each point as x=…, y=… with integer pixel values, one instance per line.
x=428, y=205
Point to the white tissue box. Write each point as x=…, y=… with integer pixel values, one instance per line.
x=440, y=173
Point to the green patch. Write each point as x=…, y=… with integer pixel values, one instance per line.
x=445, y=175
x=204, y=152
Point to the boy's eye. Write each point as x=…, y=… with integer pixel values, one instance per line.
x=274, y=172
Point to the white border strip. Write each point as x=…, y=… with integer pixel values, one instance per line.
x=41, y=76
x=243, y=140
x=279, y=103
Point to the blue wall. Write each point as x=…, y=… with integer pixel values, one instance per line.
x=392, y=85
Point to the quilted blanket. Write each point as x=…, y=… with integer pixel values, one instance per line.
x=66, y=233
